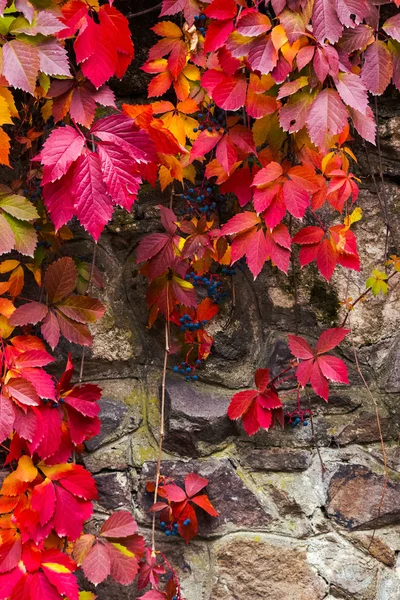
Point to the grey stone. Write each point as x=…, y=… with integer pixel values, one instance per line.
x=116, y=421
x=114, y=490
x=238, y=506
x=196, y=413
x=277, y=459
x=350, y=574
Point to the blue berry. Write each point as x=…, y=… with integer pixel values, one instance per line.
x=176, y=525
x=305, y=423
x=195, y=378
x=209, y=129
x=188, y=370
x=209, y=190
x=198, y=362
x=168, y=532
x=200, y=116
x=195, y=129
x=186, y=522
x=176, y=369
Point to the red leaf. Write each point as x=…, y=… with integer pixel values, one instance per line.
x=194, y=484
x=50, y=330
x=250, y=421
x=123, y=568
x=299, y=347
x=241, y=403
x=221, y=9
x=256, y=252
x=217, y=34
x=60, y=279
x=230, y=94
x=32, y=312
x=240, y=222
x=205, y=504
x=92, y=203
x=319, y=383
x=121, y=524
x=333, y=369
x=326, y=259
x=174, y=493
x=261, y=379
x=309, y=235
x=330, y=338
x=297, y=199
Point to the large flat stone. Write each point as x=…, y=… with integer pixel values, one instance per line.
x=263, y=568
x=196, y=417
x=277, y=459
x=355, y=495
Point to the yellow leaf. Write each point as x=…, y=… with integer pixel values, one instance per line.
x=355, y=216
x=8, y=265
x=9, y=98
x=5, y=328
x=46, y=110
x=189, y=173
x=192, y=72
x=87, y=596
x=278, y=36
x=326, y=160
x=5, y=115
x=4, y=148
x=164, y=176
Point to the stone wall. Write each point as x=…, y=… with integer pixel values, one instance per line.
x=290, y=528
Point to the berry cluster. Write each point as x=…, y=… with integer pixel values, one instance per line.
x=187, y=324
x=298, y=416
x=169, y=529
x=213, y=286
x=199, y=22
x=209, y=121
x=184, y=368
x=201, y=200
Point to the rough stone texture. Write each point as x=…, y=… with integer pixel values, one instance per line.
x=277, y=459
x=196, y=417
x=278, y=571
x=355, y=498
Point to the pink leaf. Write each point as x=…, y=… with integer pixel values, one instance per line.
x=53, y=58
x=326, y=118
x=97, y=564
x=392, y=27
x=50, y=330
x=377, y=69
x=32, y=313
x=174, y=493
x=121, y=524
x=205, y=143
x=7, y=417
x=21, y=65
x=352, y=91
x=121, y=179
x=263, y=56
x=60, y=150
x=326, y=25
x=365, y=124
x=93, y=205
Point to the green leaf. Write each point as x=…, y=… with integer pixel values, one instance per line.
x=25, y=235
x=377, y=283
x=18, y=207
